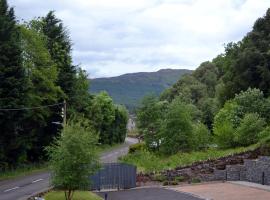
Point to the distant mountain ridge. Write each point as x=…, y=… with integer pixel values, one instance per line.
x=129, y=89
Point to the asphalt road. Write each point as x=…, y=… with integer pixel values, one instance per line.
x=148, y=194
x=24, y=187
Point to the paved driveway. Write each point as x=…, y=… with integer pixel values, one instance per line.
x=226, y=191
x=148, y=194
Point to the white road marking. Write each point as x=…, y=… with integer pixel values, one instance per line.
x=37, y=180
x=11, y=189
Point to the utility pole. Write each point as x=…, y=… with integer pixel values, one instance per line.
x=65, y=113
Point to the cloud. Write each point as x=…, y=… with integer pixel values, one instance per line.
x=113, y=37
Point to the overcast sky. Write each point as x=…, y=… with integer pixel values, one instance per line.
x=113, y=37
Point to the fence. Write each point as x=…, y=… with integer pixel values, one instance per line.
x=114, y=176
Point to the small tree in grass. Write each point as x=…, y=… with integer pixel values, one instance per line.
x=73, y=158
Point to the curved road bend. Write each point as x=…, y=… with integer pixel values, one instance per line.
x=24, y=187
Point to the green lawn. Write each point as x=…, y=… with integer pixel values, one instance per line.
x=149, y=162
x=78, y=195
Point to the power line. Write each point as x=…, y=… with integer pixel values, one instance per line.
x=31, y=108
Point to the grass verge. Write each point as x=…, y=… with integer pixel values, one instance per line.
x=150, y=162
x=35, y=168
x=78, y=195
x=23, y=170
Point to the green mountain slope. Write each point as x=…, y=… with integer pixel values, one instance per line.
x=129, y=89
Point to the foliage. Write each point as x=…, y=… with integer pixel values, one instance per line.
x=73, y=158
x=23, y=170
x=159, y=177
x=42, y=75
x=265, y=133
x=119, y=125
x=201, y=137
x=179, y=178
x=136, y=147
x=248, y=131
x=147, y=161
x=239, y=121
x=176, y=134
x=149, y=121
x=59, y=46
x=195, y=180
x=13, y=91
x=102, y=115
x=224, y=135
x=36, y=70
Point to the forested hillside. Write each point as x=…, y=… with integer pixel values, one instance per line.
x=40, y=87
x=129, y=89
x=224, y=102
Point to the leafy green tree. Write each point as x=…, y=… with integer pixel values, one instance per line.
x=13, y=90
x=248, y=131
x=207, y=73
x=102, y=115
x=42, y=76
x=209, y=108
x=119, y=125
x=224, y=135
x=225, y=123
x=248, y=65
x=237, y=114
x=201, y=137
x=176, y=134
x=73, y=158
x=253, y=101
x=149, y=120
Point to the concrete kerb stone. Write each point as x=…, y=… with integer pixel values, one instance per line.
x=37, y=194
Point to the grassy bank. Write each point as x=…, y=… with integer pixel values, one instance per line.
x=23, y=170
x=78, y=195
x=149, y=162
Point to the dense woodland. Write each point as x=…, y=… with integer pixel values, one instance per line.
x=224, y=103
x=37, y=75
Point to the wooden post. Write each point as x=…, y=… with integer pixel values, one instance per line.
x=65, y=113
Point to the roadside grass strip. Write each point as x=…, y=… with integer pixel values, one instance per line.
x=78, y=195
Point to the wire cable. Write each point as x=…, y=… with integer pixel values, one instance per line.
x=31, y=108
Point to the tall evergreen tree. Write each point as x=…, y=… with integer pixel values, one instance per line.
x=13, y=87
x=59, y=45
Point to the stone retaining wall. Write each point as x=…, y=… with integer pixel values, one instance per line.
x=257, y=171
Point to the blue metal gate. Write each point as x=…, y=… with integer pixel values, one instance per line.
x=114, y=176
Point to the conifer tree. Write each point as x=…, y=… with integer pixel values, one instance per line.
x=59, y=46
x=13, y=87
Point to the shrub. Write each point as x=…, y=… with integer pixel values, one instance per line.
x=160, y=177
x=136, y=147
x=248, y=131
x=265, y=133
x=73, y=158
x=195, y=180
x=170, y=183
x=177, y=130
x=224, y=135
x=201, y=136
x=179, y=178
